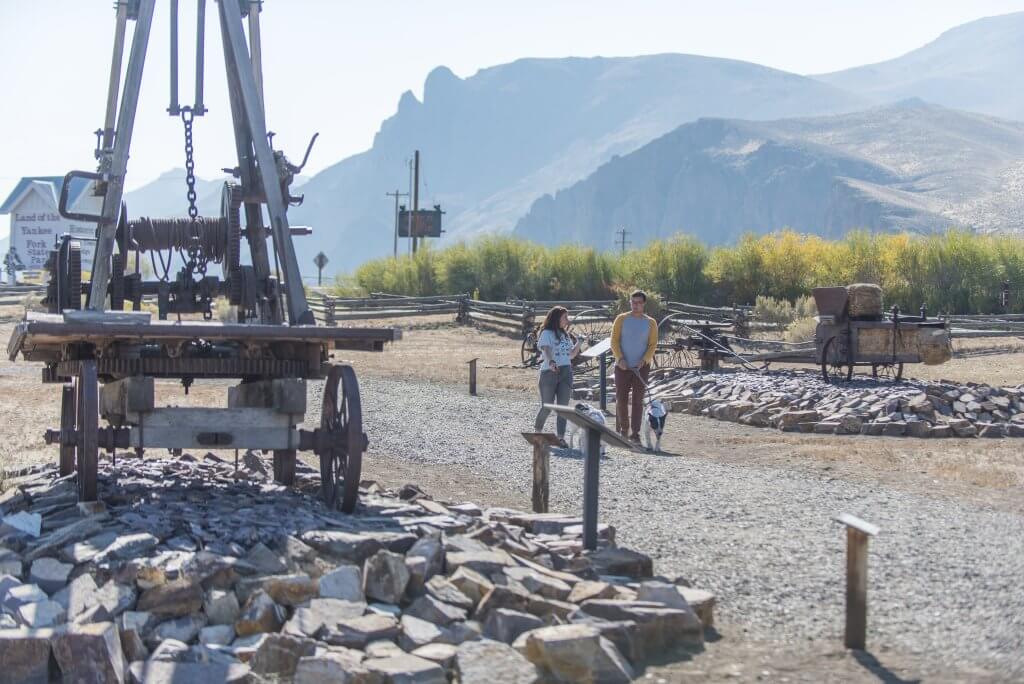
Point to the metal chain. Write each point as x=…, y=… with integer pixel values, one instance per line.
x=196, y=260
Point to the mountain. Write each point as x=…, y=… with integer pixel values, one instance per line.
x=978, y=66
x=165, y=197
x=492, y=143
x=909, y=166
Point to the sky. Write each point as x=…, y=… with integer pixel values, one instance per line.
x=340, y=66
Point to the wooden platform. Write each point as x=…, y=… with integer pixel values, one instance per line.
x=48, y=332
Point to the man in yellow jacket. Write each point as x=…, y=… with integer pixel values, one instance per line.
x=634, y=341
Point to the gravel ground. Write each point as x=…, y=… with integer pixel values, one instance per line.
x=944, y=574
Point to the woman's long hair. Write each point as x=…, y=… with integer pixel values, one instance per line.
x=552, y=320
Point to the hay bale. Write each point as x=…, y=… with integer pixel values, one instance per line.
x=865, y=301
x=935, y=346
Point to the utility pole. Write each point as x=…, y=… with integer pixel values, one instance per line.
x=396, y=194
x=622, y=233
x=415, y=199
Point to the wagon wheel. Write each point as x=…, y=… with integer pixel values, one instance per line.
x=341, y=459
x=887, y=371
x=528, y=352
x=86, y=450
x=67, y=426
x=833, y=366
x=592, y=326
x=675, y=358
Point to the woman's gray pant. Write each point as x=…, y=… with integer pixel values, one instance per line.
x=555, y=388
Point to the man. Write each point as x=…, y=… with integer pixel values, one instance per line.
x=634, y=341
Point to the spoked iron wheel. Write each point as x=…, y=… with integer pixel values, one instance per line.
x=887, y=371
x=86, y=449
x=834, y=366
x=341, y=456
x=528, y=352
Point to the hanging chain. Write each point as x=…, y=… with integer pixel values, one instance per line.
x=196, y=259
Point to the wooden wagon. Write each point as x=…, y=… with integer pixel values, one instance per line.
x=884, y=343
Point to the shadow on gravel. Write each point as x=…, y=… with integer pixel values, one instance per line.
x=870, y=663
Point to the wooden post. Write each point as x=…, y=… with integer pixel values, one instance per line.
x=591, y=473
x=472, y=377
x=541, y=468
x=603, y=386
x=857, y=533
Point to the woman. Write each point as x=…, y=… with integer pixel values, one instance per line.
x=557, y=352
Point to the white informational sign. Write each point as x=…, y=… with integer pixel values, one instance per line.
x=36, y=226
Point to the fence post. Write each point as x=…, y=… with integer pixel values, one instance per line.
x=472, y=377
x=857, y=533
x=329, y=313
x=541, y=470
x=603, y=387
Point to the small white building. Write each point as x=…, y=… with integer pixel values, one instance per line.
x=36, y=225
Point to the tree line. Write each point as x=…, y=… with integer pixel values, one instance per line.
x=953, y=272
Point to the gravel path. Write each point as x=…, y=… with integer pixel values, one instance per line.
x=944, y=575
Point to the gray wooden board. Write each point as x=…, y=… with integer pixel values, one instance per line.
x=856, y=523
x=608, y=435
x=601, y=347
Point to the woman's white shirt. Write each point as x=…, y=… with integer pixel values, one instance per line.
x=560, y=345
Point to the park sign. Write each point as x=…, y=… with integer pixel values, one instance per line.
x=36, y=225
x=424, y=223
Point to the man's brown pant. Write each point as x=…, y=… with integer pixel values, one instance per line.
x=626, y=381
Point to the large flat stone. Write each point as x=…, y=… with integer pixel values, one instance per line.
x=406, y=669
x=25, y=655
x=49, y=574
x=260, y=614
x=658, y=628
x=90, y=653
x=429, y=608
x=476, y=662
x=173, y=599
x=165, y=672
x=345, y=582
x=506, y=625
x=357, y=632
x=279, y=654
x=575, y=653
x=623, y=562
x=310, y=620
x=356, y=548
x=386, y=577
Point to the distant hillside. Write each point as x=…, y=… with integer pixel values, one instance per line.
x=910, y=166
x=494, y=142
x=165, y=197
x=977, y=67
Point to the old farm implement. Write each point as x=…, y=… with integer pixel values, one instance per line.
x=847, y=336
x=107, y=359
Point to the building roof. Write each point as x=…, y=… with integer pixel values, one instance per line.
x=55, y=182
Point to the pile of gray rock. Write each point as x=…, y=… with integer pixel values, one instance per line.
x=800, y=400
x=194, y=570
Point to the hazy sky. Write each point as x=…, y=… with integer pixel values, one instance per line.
x=339, y=67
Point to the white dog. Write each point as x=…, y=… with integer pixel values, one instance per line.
x=654, y=424
x=578, y=435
